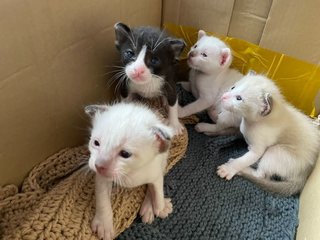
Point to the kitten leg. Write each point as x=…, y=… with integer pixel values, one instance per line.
x=278, y=160
x=254, y=172
x=174, y=120
x=226, y=120
x=146, y=210
x=213, y=114
x=186, y=86
x=194, y=107
x=102, y=223
x=162, y=206
x=233, y=166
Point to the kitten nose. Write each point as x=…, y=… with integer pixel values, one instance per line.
x=100, y=169
x=225, y=96
x=191, y=54
x=138, y=72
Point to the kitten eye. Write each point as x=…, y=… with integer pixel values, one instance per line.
x=96, y=143
x=195, y=46
x=125, y=154
x=204, y=55
x=233, y=87
x=129, y=53
x=155, y=61
x=238, y=97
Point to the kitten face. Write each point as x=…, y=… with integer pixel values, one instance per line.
x=124, y=137
x=250, y=97
x=209, y=54
x=147, y=53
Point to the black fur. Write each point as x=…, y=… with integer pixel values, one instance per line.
x=161, y=59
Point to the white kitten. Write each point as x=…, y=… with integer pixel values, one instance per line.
x=210, y=76
x=281, y=137
x=129, y=146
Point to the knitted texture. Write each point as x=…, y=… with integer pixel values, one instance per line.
x=57, y=198
x=208, y=207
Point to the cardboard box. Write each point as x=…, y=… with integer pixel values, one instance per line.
x=54, y=56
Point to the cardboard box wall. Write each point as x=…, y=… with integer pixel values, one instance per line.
x=54, y=56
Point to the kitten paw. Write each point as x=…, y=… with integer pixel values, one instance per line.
x=168, y=208
x=205, y=128
x=146, y=211
x=226, y=171
x=102, y=227
x=201, y=127
x=178, y=127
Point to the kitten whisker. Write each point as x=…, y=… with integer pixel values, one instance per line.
x=115, y=77
x=115, y=66
x=158, y=44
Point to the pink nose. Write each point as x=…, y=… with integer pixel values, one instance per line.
x=138, y=72
x=191, y=54
x=100, y=169
x=225, y=96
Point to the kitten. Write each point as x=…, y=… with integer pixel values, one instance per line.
x=281, y=137
x=210, y=76
x=129, y=146
x=150, y=59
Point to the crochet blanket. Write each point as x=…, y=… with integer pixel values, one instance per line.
x=208, y=207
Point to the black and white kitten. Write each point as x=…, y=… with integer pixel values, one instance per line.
x=150, y=58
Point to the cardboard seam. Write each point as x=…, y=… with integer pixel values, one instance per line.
x=230, y=20
x=265, y=24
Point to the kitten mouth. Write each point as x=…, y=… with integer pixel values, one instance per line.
x=139, y=79
x=190, y=63
x=226, y=106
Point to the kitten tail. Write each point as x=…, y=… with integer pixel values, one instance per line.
x=282, y=188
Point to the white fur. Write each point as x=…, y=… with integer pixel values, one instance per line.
x=151, y=88
x=210, y=76
x=137, y=130
x=281, y=137
x=148, y=85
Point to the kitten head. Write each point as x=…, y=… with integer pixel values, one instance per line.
x=209, y=54
x=124, y=137
x=146, y=51
x=252, y=97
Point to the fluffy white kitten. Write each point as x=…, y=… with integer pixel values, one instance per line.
x=129, y=146
x=281, y=137
x=210, y=76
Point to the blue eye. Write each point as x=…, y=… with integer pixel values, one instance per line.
x=125, y=154
x=238, y=97
x=129, y=53
x=155, y=61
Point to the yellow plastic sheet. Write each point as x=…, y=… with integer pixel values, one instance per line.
x=299, y=81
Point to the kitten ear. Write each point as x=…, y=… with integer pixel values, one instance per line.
x=201, y=33
x=91, y=110
x=267, y=104
x=122, y=32
x=163, y=136
x=225, y=56
x=177, y=45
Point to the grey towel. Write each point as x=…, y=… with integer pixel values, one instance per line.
x=207, y=207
